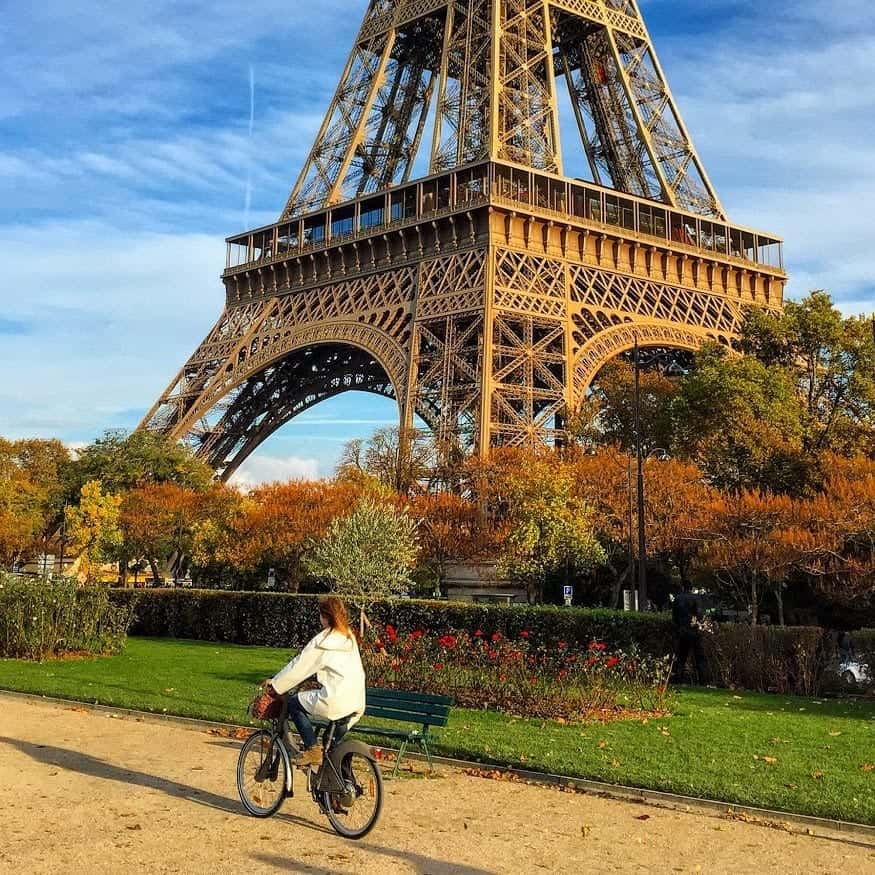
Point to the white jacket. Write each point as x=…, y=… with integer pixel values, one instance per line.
x=336, y=662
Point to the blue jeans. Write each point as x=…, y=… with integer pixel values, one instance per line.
x=299, y=715
x=301, y=718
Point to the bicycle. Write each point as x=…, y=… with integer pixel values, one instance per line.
x=347, y=787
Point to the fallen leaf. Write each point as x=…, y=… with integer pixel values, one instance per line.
x=818, y=775
x=643, y=817
x=666, y=733
x=133, y=827
x=602, y=745
x=835, y=733
x=867, y=767
x=615, y=764
x=771, y=760
x=585, y=831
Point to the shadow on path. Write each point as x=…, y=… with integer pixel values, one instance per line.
x=419, y=862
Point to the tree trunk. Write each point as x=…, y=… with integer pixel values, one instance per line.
x=617, y=587
x=754, y=602
x=779, y=596
x=123, y=572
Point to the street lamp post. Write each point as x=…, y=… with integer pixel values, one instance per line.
x=639, y=452
x=671, y=368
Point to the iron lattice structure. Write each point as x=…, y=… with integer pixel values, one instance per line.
x=433, y=251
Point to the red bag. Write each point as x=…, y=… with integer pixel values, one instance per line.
x=266, y=706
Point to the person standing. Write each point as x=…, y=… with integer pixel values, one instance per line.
x=686, y=614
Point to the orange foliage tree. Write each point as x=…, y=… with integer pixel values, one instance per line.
x=274, y=527
x=450, y=528
x=749, y=551
x=160, y=521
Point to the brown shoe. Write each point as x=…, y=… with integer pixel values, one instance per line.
x=310, y=758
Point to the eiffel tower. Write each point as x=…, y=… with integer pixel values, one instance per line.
x=433, y=251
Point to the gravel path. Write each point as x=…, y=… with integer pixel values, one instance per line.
x=85, y=793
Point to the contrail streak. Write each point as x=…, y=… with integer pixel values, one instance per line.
x=248, y=198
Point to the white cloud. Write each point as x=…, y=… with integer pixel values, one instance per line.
x=270, y=469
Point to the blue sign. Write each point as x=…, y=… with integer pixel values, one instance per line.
x=569, y=592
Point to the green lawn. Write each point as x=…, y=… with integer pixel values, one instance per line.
x=715, y=745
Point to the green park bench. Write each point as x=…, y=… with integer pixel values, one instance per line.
x=413, y=716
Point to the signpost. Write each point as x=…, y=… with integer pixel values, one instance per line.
x=569, y=595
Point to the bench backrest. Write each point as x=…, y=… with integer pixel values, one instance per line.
x=421, y=708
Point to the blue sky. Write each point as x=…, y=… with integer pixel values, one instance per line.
x=126, y=157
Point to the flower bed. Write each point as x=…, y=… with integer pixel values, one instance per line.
x=518, y=677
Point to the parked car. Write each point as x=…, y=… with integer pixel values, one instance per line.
x=854, y=673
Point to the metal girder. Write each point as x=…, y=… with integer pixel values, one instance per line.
x=493, y=65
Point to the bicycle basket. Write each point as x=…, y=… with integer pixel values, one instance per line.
x=266, y=706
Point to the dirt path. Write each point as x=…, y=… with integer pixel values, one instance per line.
x=85, y=793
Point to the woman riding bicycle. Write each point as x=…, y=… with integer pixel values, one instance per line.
x=333, y=656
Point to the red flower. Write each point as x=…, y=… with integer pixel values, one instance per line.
x=502, y=677
x=438, y=666
x=415, y=636
x=531, y=660
x=562, y=645
x=601, y=646
x=396, y=665
x=391, y=633
x=493, y=654
x=524, y=633
x=496, y=637
x=563, y=674
x=592, y=660
x=379, y=644
x=613, y=661
x=448, y=641
x=478, y=633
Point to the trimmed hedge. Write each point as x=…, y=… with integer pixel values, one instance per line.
x=764, y=658
x=287, y=620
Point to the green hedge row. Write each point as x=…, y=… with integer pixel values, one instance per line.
x=285, y=620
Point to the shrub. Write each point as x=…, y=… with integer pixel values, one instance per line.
x=40, y=618
x=778, y=659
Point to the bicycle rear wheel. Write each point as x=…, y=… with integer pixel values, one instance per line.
x=262, y=770
x=354, y=813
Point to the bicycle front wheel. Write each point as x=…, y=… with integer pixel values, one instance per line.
x=354, y=813
x=262, y=771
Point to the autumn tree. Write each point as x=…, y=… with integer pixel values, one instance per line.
x=677, y=499
x=160, y=521
x=835, y=531
x=32, y=476
x=274, y=526
x=605, y=480
x=748, y=550
x=93, y=528
x=450, y=528
x=402, y=460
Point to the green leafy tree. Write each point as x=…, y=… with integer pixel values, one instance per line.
x=831, y=362
x=549, y=527
x=368, y=554
x=743, y=423
x=126, y=461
